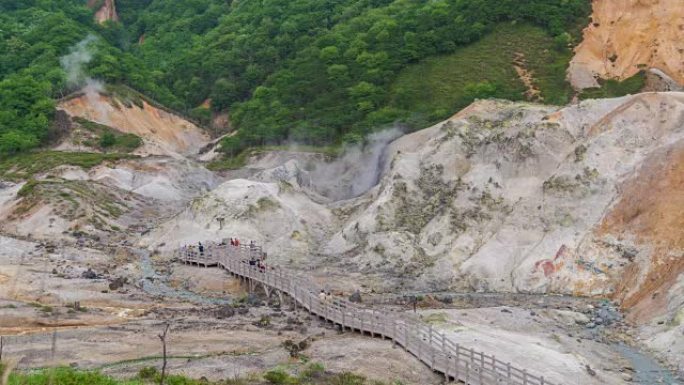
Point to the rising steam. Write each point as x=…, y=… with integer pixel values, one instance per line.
x=73, y=64
x=355, y=172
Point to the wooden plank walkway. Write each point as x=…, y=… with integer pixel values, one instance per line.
x=433, y=348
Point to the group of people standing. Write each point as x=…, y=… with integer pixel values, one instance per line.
x=200, y=247
x=235, y=242
x=258, y=263
x=261, y=265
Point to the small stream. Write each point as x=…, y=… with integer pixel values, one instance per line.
x=647, y=371
x=154, y=284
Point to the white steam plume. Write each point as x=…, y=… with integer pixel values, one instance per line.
x=73, y=63
x=357, y=170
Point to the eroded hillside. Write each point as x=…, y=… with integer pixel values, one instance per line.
x=503, y=197
x=164, y=133
x=507, y=197
x=626, y=36
x=106, y=12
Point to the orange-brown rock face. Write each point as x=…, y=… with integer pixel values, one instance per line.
x=106, y=12
x=628, y=35
x=164, y=132
x=651, y=213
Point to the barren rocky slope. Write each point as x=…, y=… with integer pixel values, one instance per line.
x=503, y=196
x=163, y=132
x=581, y=200
x=626, y=36
x=117, y=199
x=110, y=202
x=107, y=11
x=515, y=197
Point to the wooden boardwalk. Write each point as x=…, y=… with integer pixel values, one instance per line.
x=455, y=362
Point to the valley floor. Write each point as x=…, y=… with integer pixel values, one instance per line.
x=115, y=329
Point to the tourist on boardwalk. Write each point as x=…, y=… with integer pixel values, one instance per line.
x=328, y=297
x=201, y=248
x=322, y=295
x=232, y=241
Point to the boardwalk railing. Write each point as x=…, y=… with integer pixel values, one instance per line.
x=430, y=346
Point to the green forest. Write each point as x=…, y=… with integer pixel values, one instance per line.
x=317, y=72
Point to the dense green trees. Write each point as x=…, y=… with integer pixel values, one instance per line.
x=315, y=71
x=330, y=72
x=33, y=34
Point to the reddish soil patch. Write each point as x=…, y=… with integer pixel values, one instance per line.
x=520, y=65
x=651, y=212
x=106, y=12
x=626, y=36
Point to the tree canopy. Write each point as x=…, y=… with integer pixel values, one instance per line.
x=315, y=71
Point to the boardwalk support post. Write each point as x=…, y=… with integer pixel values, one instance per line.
x=432, y=351
x=394, y=333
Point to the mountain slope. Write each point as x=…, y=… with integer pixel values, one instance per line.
x=106, y=12
x=508, y=197
x=627, y=36
x=163, y=132
x=503, y=196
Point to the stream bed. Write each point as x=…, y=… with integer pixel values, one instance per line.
x=154, y=284
x=647, y=371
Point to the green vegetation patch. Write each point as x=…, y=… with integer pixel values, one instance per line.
x=437, y=87
x=613, y=88
x=126, y=95
x=229, y=163
x=108, y=138
x=262, y=205
x=436, y=318
x=239, y=159
x=311, y=374
x=24, y=166
x=65, y=376
x=74, y=199
x=331, y=151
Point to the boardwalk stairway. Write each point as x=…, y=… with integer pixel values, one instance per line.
x=433, y=348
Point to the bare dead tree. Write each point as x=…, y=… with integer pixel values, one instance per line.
x=9, y=367
x=53, y=347
x=162, y=337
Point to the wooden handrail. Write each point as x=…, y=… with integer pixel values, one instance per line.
x=430, y=346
